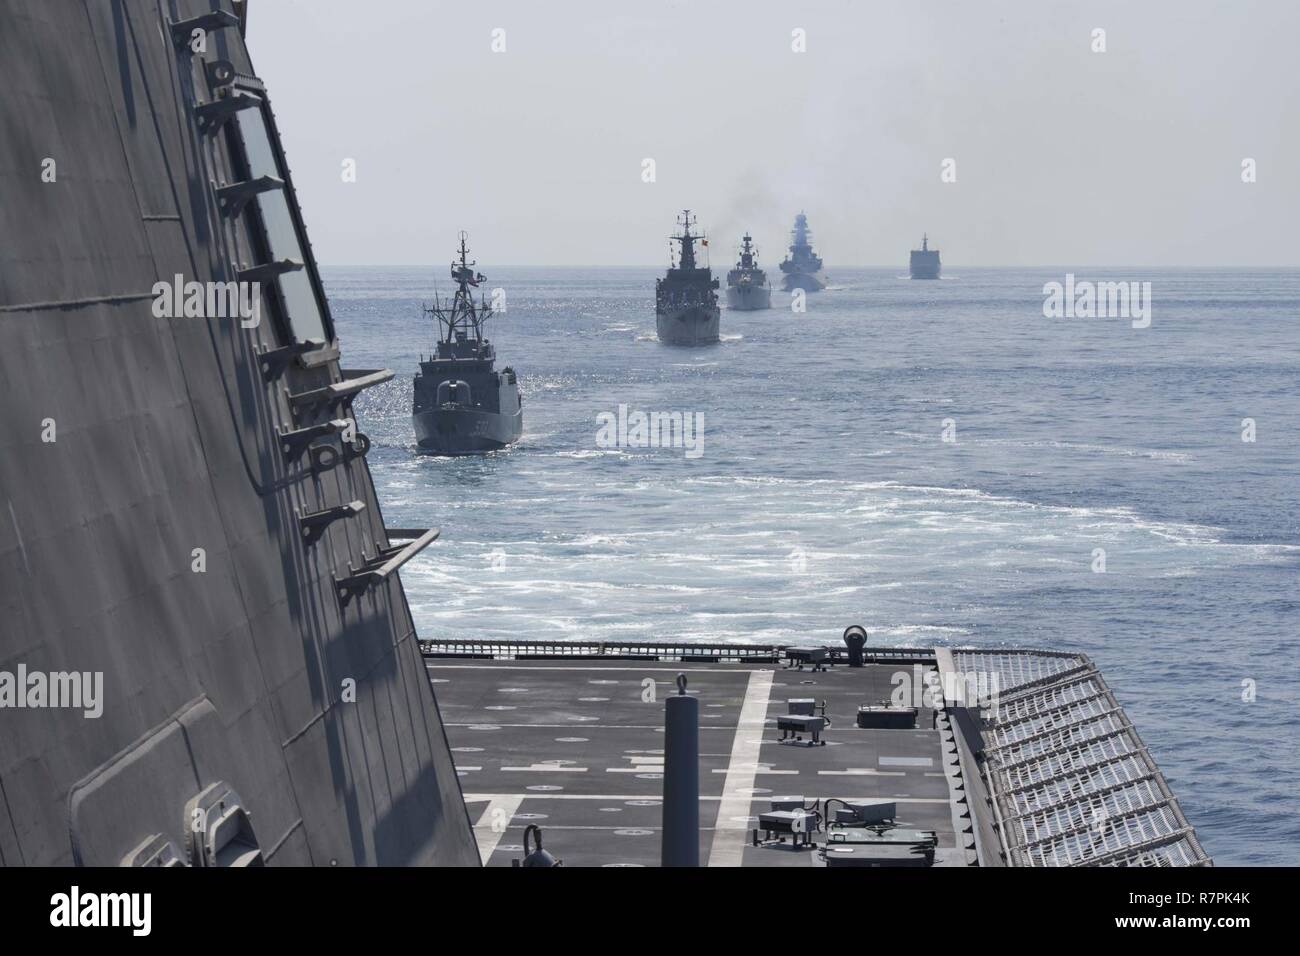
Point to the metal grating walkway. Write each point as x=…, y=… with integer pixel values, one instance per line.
x=1071, y=782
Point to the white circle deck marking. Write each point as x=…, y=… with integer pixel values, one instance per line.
x=543, y=787
x=578, y=717
x=649, y=776
x=500, y=707
x=467, y=750
x=572, y=740
x=484, y=727
x=512, y=690
x=611, y=809
x=633, y=832
x=602, y=682
x=593, y=700
x=530, y=816
x=642, y=803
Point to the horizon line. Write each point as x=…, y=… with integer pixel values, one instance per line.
x=877, y=265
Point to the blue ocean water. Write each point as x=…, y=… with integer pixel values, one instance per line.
x=824, y=493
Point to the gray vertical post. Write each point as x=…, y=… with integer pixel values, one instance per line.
x=681, y=822
x=855, y=637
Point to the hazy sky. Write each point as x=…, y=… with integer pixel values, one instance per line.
x=1063, y=156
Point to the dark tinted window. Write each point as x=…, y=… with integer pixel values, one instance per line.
x=305, y=318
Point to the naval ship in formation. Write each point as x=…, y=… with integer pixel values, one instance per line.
x=925, y=261
x=802, y=267
x=462, y=404
x=747, y=288
x=686, y=299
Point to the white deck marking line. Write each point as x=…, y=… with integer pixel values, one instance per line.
x=543, y=768
x=624, y=797
x=576, y=725
x=783, y=773
x=731, y=835
x=905, y=762
x=487, y=837
x=638, y=670
x=861, y=772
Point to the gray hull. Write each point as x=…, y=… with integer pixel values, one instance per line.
x=451, y=430
x=808, y=281
x=924, y=264
x=697, y=325
x=260, y=679
x=749, y=298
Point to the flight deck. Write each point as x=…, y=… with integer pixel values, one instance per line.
x=947, y=758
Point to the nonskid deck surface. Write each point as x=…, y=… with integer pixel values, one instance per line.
x=576, y=746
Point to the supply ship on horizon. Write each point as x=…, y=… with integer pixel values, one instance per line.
x=747, y=288
x=802, y=267
x=686, y=299
x=462, y=404
x=925, y=261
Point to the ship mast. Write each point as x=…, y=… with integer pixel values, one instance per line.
x=463, y=319
x=747, y=252
x=687, y=258
x=799, y=235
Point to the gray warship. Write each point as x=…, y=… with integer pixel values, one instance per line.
x=802, y=267
x=747, y=288
x=462, y=404
x=925, y=261
x=206, y=653
x=686, y=299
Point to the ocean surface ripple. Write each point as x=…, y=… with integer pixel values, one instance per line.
x=824, y=493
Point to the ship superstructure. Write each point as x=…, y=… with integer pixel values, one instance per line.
x=747, y=288
x=925, y=261
x=686, y=299
x=462, y=404
x=802, y=267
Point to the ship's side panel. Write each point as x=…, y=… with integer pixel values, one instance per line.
x=149, y=521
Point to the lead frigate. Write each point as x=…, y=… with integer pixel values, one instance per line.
x=462, y=404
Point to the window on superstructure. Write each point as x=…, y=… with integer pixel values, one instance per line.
x=277, y=225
